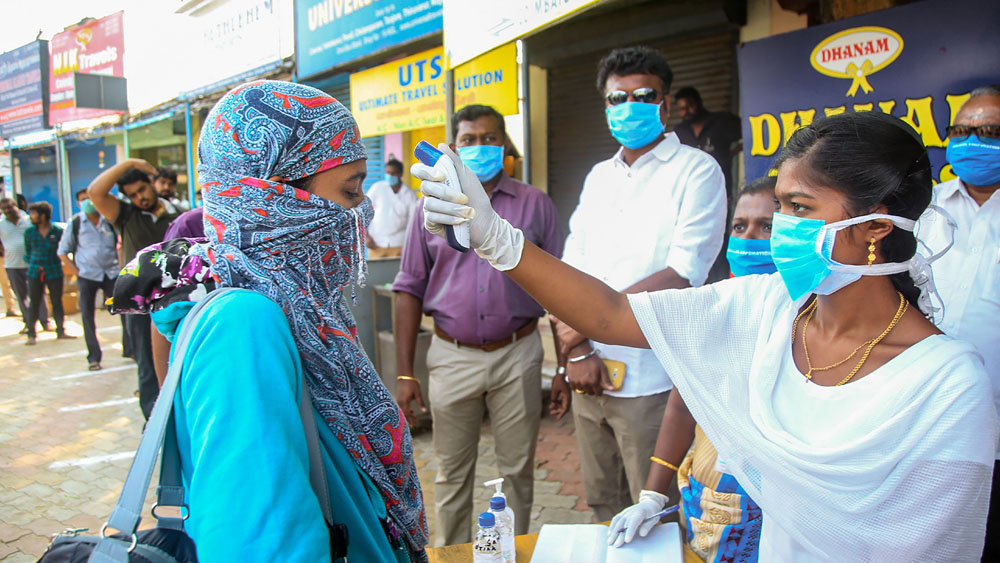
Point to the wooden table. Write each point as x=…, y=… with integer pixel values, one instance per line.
x=524, y=546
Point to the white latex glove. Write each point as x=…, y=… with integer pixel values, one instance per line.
x=636, y=518
x=492, y=237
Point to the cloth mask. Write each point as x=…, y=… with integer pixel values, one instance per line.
x=485, y=161
x=749, y=256
x=802, y=250
x=393, y=180
x=634, y=124
x=976, y=160
x=87, y=206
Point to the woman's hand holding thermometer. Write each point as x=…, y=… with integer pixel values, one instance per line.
x=457, y=235
x=454, y=197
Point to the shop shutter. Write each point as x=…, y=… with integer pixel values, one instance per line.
x=578, y=133
x=339, y=86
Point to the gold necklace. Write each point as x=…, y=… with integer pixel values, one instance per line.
x=810, y=311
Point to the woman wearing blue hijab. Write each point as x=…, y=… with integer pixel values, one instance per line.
x=281, y=173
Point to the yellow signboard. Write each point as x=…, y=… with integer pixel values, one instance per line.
x=401, y=95
x=490, y=79
x=409, y=93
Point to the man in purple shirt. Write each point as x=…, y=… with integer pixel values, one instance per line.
x=486, y=353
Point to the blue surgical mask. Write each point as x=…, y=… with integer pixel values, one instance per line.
x=88, y=207
x=393, y=180
x=802, y=250
x=485, y=161
x=634, y=124
x=975, y=159
x=749, y=256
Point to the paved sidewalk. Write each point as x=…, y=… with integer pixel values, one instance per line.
x=67, y=436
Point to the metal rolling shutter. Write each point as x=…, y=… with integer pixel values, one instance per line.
x=339, y=86
x=578, y=132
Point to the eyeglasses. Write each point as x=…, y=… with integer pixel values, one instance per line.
x=990, y=131
x=643, y=95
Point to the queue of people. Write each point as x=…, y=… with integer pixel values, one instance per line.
x=813, y=406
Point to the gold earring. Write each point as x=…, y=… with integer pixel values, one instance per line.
x=871, y=252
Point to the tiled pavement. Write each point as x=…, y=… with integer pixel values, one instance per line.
x=67, y=436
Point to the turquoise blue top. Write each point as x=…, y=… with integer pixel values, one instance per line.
x=243, y=450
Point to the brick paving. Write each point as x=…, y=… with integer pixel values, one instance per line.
x=67, y=436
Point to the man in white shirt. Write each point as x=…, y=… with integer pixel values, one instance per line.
x=968, y=275
x=651, y=217
x=394, y=203
x=12, y=226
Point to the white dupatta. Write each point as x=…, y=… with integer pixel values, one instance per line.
x=908, y=481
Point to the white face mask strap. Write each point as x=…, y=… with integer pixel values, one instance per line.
x=830, y=231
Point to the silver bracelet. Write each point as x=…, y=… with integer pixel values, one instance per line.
x=581, y=358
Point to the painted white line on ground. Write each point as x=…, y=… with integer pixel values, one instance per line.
x=84, y=461
x=110, y=403
x=58, y=356
x=89, y=373
x=110, y=328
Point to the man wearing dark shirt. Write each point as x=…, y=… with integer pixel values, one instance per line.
x=713, y=132
x=141, y=222
x=41, y=241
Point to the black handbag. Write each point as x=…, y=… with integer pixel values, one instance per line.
x=167, y=542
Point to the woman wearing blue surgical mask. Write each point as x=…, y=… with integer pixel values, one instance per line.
x=722, y=522
x=861, y=431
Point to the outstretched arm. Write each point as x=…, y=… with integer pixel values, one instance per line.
x=579, y=300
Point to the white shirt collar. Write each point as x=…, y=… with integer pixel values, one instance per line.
x=663, y=150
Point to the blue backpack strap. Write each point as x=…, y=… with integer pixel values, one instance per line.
x=127, y=513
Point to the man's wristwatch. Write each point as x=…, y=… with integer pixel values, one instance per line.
x=561, y=370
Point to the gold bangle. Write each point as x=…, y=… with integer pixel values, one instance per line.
x=655, y=459
x=407, y=378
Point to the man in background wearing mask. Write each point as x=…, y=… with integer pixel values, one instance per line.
x=968, y=275
x=394, y=203
x=89, y=250
x=486, y=353
x=651, y=217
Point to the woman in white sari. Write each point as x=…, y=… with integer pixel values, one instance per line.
x=862, y=432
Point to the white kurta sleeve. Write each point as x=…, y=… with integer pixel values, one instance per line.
x=705, y=337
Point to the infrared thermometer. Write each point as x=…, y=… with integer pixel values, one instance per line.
x=458, y=236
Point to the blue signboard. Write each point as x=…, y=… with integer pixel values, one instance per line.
x=23, y=82
x=330, y=33
x=918, y=62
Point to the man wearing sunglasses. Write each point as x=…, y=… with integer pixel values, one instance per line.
x=651, y=217
x=968, y=275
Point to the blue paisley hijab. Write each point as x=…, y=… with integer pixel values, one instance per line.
x=302, y=251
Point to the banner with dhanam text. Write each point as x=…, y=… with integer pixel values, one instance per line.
x=918, y=62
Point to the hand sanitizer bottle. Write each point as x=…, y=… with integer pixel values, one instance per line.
x=486, y=548
x=498, y=483
x=505, y=527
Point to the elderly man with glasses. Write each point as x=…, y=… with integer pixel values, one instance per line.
x=650, y=217
x=968, y=275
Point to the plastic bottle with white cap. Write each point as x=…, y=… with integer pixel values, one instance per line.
x=504, y=519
